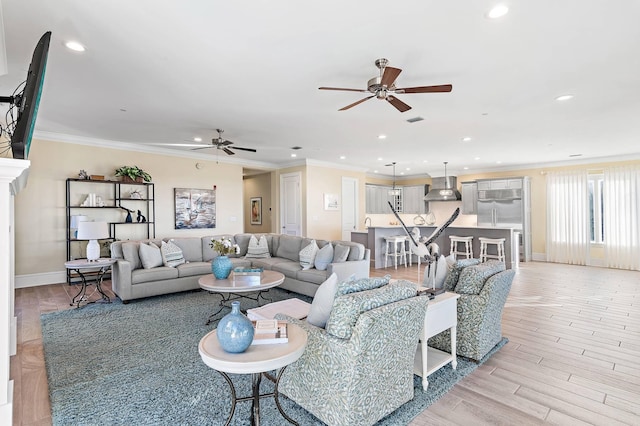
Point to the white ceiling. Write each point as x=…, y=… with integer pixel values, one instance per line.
x=181, y=69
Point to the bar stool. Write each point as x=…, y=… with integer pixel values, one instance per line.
x=468, y=247
x=484, y=243
x=395, y=249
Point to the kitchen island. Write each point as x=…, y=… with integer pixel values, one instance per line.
x=373, y=239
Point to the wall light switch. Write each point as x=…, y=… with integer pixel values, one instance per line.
x=315, y=217
x=233, y=219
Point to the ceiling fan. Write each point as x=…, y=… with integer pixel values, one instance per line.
x=383, y=85
x=223, y=144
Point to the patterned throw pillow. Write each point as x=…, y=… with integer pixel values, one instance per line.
x=340, y=253
x=258, y=249
x=150, y=256
x=171, y=254
x=322, y=302
x=324, y=257
x=472, y=279
x=308, y=255
x=454, y=272
x=362, y=284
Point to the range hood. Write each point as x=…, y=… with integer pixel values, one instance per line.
x=444, y=188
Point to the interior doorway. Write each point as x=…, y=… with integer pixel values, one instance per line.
x=290, y=203
x=349, y=207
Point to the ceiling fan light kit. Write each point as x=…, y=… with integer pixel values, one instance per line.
x=383, y=86
x=223, y=145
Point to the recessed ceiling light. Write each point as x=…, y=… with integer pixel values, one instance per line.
x=382, y=136
x=498, y=11
x=294, y=155
x=564, y=98
x=342, y=157
x=425, y=161
x=466, y=139
x=466, y=168
x=75, y=46
x=379, y=158
x=477, y=158
x=197, y=139
x=401, y=173
x=498, y=162
x=375, y=171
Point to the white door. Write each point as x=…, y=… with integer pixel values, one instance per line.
x=290, y=208
x=349, y=207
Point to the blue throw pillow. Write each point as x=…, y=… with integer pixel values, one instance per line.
x=324, y=257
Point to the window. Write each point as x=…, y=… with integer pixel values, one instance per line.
x=596, y=225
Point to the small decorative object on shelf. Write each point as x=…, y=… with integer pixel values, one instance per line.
x=83, y=175
x=141, y=218
x=270, y=334
x=135, y=194
x=93, y=200
x=97, y=177
x=235, y=331
x=133, y=173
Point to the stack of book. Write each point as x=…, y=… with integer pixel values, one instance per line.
x=268, y=332
x=247, y=275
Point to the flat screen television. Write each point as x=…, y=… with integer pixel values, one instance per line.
x=27, y=102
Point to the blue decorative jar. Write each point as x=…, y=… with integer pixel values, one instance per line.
x=235, y=331
x=221, y=267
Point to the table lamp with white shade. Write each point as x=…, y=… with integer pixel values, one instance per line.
x=93, y=231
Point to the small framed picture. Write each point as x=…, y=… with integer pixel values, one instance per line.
x=256, y=210
x=331, y=202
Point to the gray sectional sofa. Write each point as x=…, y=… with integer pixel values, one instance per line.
x=130, y=280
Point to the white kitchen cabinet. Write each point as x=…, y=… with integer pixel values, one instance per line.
x=469, y=198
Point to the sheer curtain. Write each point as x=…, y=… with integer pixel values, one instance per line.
x=621, y=216
x=568, y=215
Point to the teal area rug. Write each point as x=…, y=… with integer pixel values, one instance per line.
x=138, y=364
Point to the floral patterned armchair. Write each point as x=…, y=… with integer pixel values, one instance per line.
x=360, y=367
x=483, y=289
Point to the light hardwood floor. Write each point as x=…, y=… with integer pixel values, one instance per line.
x=573, y=355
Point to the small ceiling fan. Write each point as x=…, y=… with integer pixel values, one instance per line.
x=223, y=144
x=383, y=85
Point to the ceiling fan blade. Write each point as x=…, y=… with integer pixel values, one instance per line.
x=228, y=151
x=400, y=106
x=225, y=142
x=203, y=147
x=426, y=89
x=339, y=88
x=244, y=149
x=389, y=76
x=356, y=103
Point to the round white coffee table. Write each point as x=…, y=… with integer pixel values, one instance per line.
x=258, y=360
x=235, y=288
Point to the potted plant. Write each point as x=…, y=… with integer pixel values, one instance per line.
x=133, y=174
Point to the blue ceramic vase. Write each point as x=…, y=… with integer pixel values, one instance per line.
x=221, y=267
x=235, y=331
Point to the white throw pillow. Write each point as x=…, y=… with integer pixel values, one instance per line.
x=258, y=249
x=324, y=257
x=171, y=254
x=323, y=301
x=308, y=255
x=340, y=253
x=150, y=256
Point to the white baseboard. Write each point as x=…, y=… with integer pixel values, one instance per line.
x=6, y=410
x=34, y=280
x=539, y=257
x=597, y=262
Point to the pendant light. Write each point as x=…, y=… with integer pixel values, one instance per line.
x=446, y=192
x=394, y=192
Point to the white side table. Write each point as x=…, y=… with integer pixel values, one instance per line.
x=441, y=315
x=257, y=361
x=103, y=265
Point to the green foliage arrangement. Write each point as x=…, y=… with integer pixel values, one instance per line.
x=133, y=172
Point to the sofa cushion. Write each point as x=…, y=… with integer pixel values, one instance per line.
x=191, y=248
x=362, y=284
x=257, y=249
x=308, y=255
x=130, y=251
x=150, y=255
x=472, y=278
x=191, y=269
x=323, y=301
x=454, y=272
x=268, y=262
x=324, y=257
x=289, y=268
x=289, y=247
x=242, y=240
x=140, y=276
x=356, y=250
x=340, y=253
x=347, y=308
x=171, y=254
x=312, y=276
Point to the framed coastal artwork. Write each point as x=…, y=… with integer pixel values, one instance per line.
x=331, y=202
x=256, y=210
x=195, y=208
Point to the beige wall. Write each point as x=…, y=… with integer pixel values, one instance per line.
x=40, y=208
x=258, y=186
x=327, y=224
